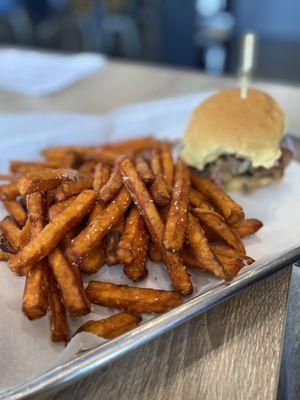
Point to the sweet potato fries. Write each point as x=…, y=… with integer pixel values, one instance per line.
x=118, y=203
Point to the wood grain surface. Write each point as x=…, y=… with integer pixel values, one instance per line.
x=230, y=352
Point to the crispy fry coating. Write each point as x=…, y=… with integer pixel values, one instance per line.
x=136, y=270
x=22, y=167
x=5, y=255
x=154, y=253
x=91, y=236
x=125, y=247
x=57, y=208
x=111, y=327
x=37, y=211
x=231, y=211
x=67, y=190
x=159, y=191
x=87, y=168
x=101, y=176
x=132, y=299
x=57, y=313
x=52, y=234
x=246, y=227
x=167, y=164
x=44, y=180
x=201, y=249
x=215, y=223
x=24, y=235
x=176, y=221
x=9, y=191
x=112, y=186
x=155, y=226
x=156, y=162
x=143, y=169
x=16, y=211
x=71, y=287
x=198, y=200
x=189, y=260
x=112, y=242
x=95, y=259
x=10, y=231
x=35, y=295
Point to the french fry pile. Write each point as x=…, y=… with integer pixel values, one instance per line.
x=117, y=203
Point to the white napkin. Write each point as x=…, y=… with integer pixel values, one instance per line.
x=35, y=73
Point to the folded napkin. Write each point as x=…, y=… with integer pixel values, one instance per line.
x=36, y=73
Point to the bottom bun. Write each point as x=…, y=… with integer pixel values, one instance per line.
x=247, y=183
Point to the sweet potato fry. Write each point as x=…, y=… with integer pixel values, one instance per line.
x=215, y=223
x=189, y=260
x=199, y=201
x=246, y=227
x=132, y=299
x=155, y=226
x=106, y=156
x=159, y=191
x=112, y=242
x=35, y=295
x=57, y=313
x=52, y=234
x=24, y=235
x=136, y=270
x=45, y=180
x=201, y=250
x=132, y=145
x=5, y=256
x=10, y=231
x=57, y=208
x=112, y=186
x=37, y=211
x=91, y=236
x=231, y=211
x=154, y=253
x=176, y=221
x=125, y=247
x=167, y=164
x=66, y=190
x=22, y=167
x=143, y=169
x=94, y=260
x=101, y=176
x=111, y=327
x=233, y=265
x=87, y=168
x=224, y=250
x=16, y=211
x=69, y=160
x=71, y=287
x=8, y=177
x=9, y=191
x=155, y=161
x=96, y=211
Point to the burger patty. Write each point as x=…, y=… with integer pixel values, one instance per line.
x=226, y=167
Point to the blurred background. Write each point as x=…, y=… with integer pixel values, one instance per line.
x=201, y=34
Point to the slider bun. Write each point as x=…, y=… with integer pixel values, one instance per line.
x=224, y=123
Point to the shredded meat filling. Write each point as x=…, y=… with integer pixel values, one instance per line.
x=226, y=167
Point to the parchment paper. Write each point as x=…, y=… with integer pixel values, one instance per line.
x=25, y=347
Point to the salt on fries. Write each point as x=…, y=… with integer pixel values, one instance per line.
x=118, y=203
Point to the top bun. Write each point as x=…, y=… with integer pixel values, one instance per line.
x=224, y=123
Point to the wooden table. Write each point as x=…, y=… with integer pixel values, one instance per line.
x=231, y=351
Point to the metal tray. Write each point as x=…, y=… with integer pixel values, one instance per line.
x=91, y=360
